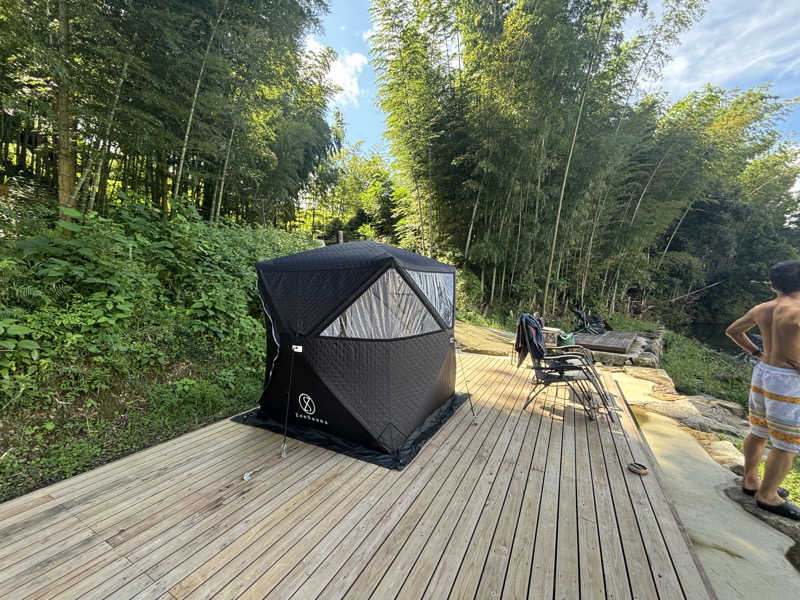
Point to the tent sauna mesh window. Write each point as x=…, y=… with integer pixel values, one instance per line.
x=389, y=309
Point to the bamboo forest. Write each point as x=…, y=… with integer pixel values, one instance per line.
x=152, y=151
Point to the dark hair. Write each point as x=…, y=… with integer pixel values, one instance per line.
x=785, y=276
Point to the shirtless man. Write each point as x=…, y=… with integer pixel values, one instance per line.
x=774, y=389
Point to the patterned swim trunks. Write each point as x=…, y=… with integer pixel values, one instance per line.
x=775, y=406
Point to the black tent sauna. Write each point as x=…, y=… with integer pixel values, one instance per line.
x=364, y=355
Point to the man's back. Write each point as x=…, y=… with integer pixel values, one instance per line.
x=779, y=322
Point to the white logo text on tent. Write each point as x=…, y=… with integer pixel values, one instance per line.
x=306, y=404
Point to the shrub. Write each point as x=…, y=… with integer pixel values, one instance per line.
x=122, y=330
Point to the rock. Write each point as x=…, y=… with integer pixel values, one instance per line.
x=680, y=409
x=664, y=389
x=703, y=423
x=728, y=415
x=738, y=469
x=701, y=436
x=782, y=524
x=724, y=453
x=598, y=364
x=610, y=358
x=646, y=359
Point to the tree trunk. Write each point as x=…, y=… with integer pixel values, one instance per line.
x=569, y=157
x=647, y=185
x=671, y=237
x=194, y=100
x=472, y=222
x=218, y=202
x=63, y=111
x=104, y=144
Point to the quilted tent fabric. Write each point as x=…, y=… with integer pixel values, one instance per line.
x=376, y=362
x=308, y=287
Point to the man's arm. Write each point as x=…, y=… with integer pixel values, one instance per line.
x=736, y=331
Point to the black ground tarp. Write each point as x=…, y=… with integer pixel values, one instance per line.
x=398, y=458
x=362, y=358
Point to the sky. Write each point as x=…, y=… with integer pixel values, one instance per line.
x=736, y=44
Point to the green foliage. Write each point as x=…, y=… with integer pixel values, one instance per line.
x=697, y=369
x=129, y=331
x=531, y=154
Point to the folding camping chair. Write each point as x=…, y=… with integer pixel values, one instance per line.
x=589, y=322
x=572, y=365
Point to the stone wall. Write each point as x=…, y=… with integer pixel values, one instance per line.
x=644, y=352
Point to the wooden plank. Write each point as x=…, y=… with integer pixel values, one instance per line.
x=200, y=534
x=339, y=569
x=611, y=341
x=544, y=549
x=96, y=585
x=464, y=554
x=664, y=575
x=292, y=556
x=175, y=451
x=173, y=559
x=76, y=582
x=159, y=516
x=693, y=579
x=27, y=583
x=79, y=481
x=519, y=572
x=592, y=584
x=37, y=521
x=639, y=573
x=214, y=574
x=29, y=502
x=365, y=568
x=478, y=511
x=492, y=578
x=359, y=517
x=615, y=568
x=568, y=565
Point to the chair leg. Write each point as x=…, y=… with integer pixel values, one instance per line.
x=530, y=397
x=585, y=402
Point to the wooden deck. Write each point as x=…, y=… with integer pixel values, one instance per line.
x=533, y=505
x=610, y=341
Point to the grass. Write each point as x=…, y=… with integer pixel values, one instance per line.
x=697, y=369
x=46, y=442
x=791, y=482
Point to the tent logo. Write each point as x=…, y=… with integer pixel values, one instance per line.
x=306, y=404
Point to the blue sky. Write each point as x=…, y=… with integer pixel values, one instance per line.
x=736, y=44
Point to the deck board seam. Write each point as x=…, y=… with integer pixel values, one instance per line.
x=507, y=395
x=545, y=401
x=513, y=394
x=484, y=380
x=616, y=512
x=673, y=512
x=539, y=420
x=636, y=516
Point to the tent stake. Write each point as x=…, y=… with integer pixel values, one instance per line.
x=288, y=397
x=466, y=381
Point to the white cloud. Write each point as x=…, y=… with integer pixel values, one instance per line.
x=343, y=73
x=736, y=43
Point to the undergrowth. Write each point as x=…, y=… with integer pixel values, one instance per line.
x=121, y=331
x=698, y=369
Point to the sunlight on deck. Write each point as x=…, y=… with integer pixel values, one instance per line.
x=526, y=504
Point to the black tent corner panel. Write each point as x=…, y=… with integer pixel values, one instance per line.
x=365, y=359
